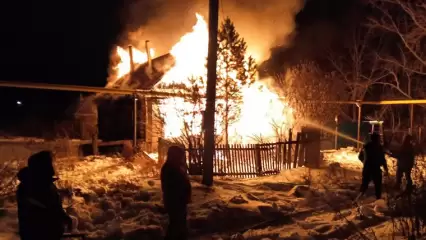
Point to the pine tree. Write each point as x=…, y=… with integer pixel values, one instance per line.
x=235, y=71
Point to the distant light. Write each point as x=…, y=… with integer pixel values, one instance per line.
x=19, y=103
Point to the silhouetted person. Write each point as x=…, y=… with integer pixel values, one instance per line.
x=405, y=162
x=373, y=157
x=176, y=192
x=40, y=211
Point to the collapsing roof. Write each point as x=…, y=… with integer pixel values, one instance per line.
x=146, y=75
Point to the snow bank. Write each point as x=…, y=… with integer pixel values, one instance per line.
x=95, y=173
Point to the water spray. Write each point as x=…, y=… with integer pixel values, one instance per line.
x=329, y=130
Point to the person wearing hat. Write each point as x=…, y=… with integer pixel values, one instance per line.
x=40, y=211
x=373, y=158
x=405, y=162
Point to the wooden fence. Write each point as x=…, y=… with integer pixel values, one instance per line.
x=252, y=160
x=249, y=160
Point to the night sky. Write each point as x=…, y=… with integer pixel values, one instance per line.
x=69, y=42
x=62, y=42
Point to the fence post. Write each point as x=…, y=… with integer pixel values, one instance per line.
x=296, y=151
x=284, y=156
x=278, y=157
x=290, y=139
x=258, y=160
x=302, y=148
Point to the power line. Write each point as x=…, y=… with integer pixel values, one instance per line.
x=89, y=89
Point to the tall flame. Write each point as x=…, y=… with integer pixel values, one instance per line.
x=263, y=113
x=139, y=57
x=190, y=54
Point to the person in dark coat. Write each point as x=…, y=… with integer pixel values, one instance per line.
x=40, y=211
x=373, y=157
x=405, y=162
x=176, y=189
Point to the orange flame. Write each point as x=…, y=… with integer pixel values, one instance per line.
x=138, y=58
x=263, y=113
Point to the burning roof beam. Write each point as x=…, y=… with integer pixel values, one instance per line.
x=146, y=75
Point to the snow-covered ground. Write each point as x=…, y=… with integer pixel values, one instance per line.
x=113, y=199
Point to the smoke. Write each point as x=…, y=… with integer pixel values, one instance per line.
x=263, y=24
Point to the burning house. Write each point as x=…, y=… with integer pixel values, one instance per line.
x=263, y=113
x=111, y=117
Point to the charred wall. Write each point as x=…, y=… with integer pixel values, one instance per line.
x=115, y=119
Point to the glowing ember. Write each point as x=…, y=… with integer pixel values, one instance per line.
x=263, y=113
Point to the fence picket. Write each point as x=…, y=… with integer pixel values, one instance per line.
x=296, y=151
x=290, y=139
x=248, y=161
x=253, y=160
x=241, y=160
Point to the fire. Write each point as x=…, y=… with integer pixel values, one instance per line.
x=263, y=113
x=138, y=58
x=190, y=54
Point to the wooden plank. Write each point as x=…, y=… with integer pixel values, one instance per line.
x=250, y=157
x=302, y=150
x=296, y=151
x=258, y=161
x=254, y=160
x=290, y=142
x=232, y=160
x=273, y=156
x=278, y=156
x=220, y=158
x=284, y=155
x=266, y=154
x=269, y=155
x=224, y=148
x=246, y=157
x=239, y=159
x=263, y=158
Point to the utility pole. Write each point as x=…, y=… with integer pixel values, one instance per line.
x=211, y=94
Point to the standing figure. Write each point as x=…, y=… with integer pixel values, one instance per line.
x=40, y=211
x=373, y=157
x=176, y=189
x=405, y=163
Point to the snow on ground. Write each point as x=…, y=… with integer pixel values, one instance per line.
x=113, y=199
